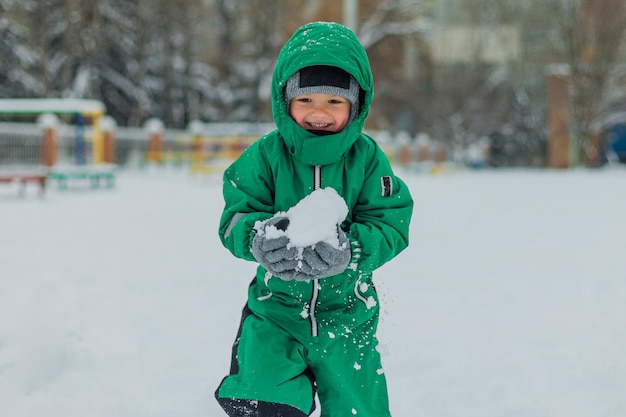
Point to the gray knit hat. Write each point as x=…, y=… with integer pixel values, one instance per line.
x=324, y=79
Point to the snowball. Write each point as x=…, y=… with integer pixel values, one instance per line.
x=315, y=218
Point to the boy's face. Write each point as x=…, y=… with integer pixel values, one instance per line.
x=317, y=111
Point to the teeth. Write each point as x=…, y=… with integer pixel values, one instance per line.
x=320, y=125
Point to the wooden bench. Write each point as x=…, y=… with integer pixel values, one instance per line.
x=23, y=178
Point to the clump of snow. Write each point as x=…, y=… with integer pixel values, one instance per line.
x=312, y=220
x=315, y=218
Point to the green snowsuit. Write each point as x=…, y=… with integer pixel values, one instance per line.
x=299, y=338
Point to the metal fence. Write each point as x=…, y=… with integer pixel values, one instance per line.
x=21, y=143
x=204, y=148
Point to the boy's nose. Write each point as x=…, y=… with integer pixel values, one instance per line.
x=319, y=109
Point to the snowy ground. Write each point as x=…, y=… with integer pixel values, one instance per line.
x=510, y=301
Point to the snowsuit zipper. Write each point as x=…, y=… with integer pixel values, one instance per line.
x=317, y=184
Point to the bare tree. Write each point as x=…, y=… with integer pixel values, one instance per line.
x=477, y=84
x=393, y=18
x=591, y=33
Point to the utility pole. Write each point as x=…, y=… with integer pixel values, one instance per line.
x=351, y=14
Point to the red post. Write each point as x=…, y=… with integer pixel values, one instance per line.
x=48, y=146
x=155, y=147
x=108, y=129
x=154, y=128
x=559, y=115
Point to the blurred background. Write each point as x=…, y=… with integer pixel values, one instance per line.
x=538, y=83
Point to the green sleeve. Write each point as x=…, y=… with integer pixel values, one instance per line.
x=248, y=190
x=380, y=225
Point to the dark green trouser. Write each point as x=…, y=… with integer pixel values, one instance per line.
x=275, y=375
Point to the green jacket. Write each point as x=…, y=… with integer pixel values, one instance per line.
x=284, y=166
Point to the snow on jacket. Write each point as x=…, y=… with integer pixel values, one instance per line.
x=284, y=166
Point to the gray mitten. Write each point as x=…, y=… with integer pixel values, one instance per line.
x=324, y=260
x=272, y=252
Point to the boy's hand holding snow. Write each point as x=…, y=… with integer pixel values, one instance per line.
x=323, y=260
x=270, y=248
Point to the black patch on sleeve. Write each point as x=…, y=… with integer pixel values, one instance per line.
x=387, y=186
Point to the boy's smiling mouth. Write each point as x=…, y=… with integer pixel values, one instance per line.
x=319, y=125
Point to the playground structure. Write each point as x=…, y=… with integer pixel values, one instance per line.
x=82, y=112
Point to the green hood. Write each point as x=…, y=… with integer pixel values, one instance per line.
x=320, y=43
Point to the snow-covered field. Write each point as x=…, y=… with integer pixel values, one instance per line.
x=509, y=302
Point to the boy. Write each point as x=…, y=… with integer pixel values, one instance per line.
x=309, y=325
